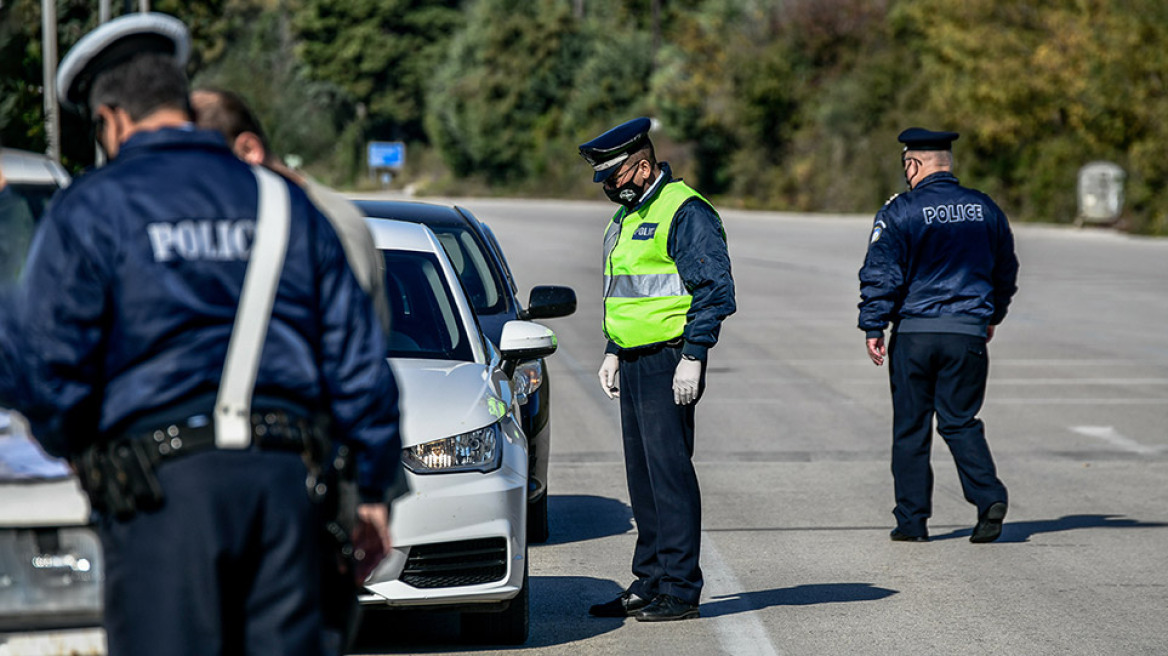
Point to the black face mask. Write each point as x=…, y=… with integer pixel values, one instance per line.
x=904, y=164
x=627, y=194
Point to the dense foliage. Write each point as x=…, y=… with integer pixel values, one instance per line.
x=789, y=104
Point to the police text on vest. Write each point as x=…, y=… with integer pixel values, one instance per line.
x=202, y=240
x=953, y=213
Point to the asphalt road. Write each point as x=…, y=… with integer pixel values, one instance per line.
x=793, y=442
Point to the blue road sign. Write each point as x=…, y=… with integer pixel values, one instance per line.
x=387, y=154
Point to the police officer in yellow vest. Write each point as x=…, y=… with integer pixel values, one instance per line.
x=667, y=288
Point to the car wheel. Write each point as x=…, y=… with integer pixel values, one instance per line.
x=537, y=520
x=508, y=627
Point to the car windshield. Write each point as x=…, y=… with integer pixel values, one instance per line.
x=473, y=265
x=425, y=322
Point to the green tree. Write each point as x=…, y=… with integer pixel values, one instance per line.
x=382, y=53
x=495, y=102
x=1042, y=88
x=22, y=119
x=301, y=116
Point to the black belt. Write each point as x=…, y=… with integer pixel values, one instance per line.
x=271, y=431
x=650, y=349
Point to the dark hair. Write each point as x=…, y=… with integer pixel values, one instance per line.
x=229, y=115
x=141, y=86
x=645, y=152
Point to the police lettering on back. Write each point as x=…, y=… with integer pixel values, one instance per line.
x=953, y=213
x=221, y=240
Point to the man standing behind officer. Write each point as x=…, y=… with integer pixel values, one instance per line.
x=667, y=288
x=124, y=315
x=941, y=268
x=226, y=113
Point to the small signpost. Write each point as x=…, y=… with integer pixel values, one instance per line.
x=1100, y=193
x=385, y=159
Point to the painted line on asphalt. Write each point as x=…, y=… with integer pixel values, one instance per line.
x=1081, y=402
x=1113, y=437
x=1079, y=381
x=740, y=632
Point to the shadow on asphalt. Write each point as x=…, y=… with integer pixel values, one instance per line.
x=1021, y=531
x=575, y=518
x=800, y=595
x=559, y=616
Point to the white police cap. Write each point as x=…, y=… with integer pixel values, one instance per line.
x=114, y=43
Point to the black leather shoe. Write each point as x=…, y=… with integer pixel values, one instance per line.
x=624, y=605
x=897, y=536
x=989, y=525
x=666, y=608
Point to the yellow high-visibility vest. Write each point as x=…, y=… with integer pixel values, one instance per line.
x=645, y=299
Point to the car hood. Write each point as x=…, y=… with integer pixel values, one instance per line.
x=440, y=398
x=35, y=490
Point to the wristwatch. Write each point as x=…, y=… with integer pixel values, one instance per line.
x=687, y=356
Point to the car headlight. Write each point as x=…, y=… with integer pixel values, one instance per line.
x=527, y=379
x=479, y=450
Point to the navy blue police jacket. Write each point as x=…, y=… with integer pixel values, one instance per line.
x=128, y=298
x=940, y=259
x=697, y=245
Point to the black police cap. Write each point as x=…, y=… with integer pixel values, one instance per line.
x=922, y=139
x=114, y=43
x=608, y=150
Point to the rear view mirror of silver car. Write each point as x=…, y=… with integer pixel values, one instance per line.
x=526, y=340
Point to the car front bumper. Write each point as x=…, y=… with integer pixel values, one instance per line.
x=459, y=539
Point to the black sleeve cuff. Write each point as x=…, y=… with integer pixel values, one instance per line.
x=874, y=334
x=696, y=350
x=612, y=348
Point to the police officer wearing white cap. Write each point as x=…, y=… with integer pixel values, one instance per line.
x=667, y=288
x=941, y=269
x=197, y=458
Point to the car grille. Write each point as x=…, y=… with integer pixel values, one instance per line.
x=452, y=564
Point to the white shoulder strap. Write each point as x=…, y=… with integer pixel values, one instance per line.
x=233, y=405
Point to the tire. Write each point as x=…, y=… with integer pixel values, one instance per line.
x=537, y=520
x=508, y=627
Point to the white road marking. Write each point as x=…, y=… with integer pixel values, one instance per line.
x=740, y=632
x=1078, y=402
x=1110, y=435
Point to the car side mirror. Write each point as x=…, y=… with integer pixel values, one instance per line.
x=526, y=340
x=550, y=301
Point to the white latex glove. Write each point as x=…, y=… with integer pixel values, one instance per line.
x=685, y=381
x=609, y=376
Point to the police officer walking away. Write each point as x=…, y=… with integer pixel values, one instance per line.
x=124, y=315
x=667, y=288
x=941, y=268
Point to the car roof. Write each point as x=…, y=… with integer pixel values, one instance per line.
x=402, y=235
x=23, y=167
x=416, y=211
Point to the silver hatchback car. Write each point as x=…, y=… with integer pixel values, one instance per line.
x=50, y=560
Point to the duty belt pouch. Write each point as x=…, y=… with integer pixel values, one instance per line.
x=119, y=478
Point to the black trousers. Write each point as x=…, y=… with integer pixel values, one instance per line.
x=941, y=375
x=663, y=486
x=229, y=565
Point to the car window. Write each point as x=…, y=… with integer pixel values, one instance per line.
x=499, y=256
x=483, y=285
x=425, y=321
x=19, y=211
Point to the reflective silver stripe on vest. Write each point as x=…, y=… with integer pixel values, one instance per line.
x=650, y=285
